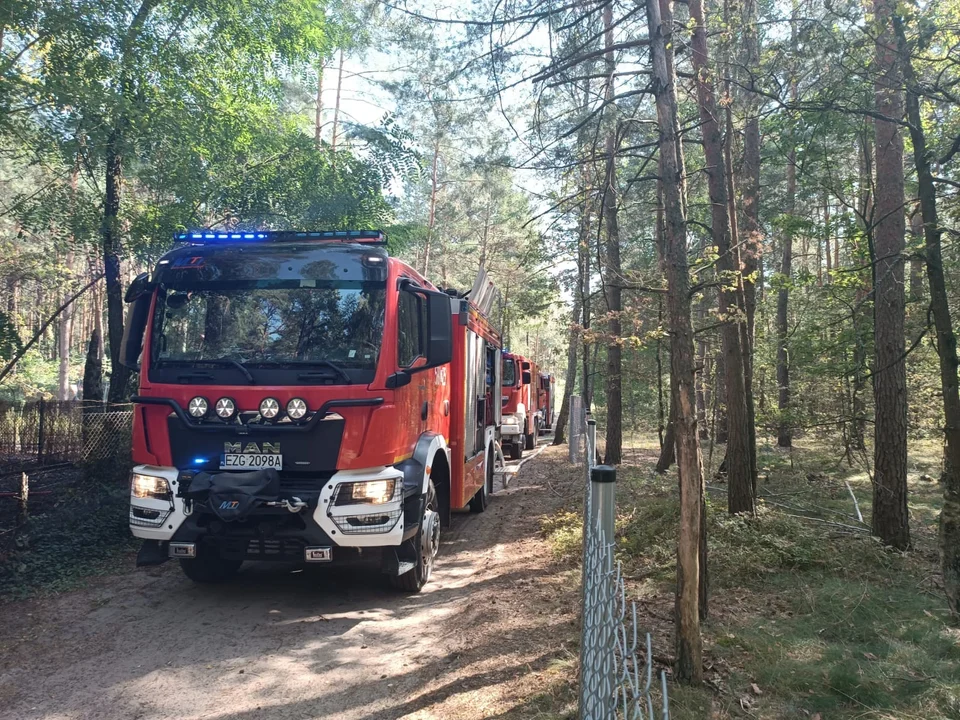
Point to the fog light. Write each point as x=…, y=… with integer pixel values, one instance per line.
x=269, y=408
x=198, y=407
x=296, y=408
x=225, y=408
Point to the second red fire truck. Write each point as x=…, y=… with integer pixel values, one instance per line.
x=521, y=419
x=305, y=396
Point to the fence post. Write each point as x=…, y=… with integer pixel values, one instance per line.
x=41, y=429
x=23, y=511
x=591, y=441
x=603, y=489
x=573, y=440
x=598, y=686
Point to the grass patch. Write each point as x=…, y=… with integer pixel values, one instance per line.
x=84, y=534
x=820, y=617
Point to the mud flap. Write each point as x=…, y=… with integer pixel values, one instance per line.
x=394, y=561
x=153, y=552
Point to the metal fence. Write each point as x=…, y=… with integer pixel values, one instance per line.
x=43, y=432
x=614, y=682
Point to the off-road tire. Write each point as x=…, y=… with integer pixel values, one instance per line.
x=413, y=580
x=209, y=568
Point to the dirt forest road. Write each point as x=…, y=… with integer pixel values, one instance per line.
x=149, y=644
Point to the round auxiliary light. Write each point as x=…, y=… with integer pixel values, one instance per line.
x=225, y=408
x=269, y=408
x=296, y=408
x=198, y=407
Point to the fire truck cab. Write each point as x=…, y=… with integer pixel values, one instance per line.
x=520, y=426
x=304, y=396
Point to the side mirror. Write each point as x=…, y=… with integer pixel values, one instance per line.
x=439, y=340
x=526, y=377
x=526, y=365
x=137, y=317
x=139, y=286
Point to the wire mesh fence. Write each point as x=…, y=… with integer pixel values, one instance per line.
x=42, y=432
x=616, y=669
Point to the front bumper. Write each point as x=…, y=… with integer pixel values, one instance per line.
x=320, y=523
x=510, y=428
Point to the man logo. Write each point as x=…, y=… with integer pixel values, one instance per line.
x=251, y=448
x=229, y=504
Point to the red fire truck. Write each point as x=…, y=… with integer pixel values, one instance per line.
x=545, y=402
x=304, y=396
x=520, y=422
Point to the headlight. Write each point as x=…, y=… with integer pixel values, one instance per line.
x=296, y=408
x=372, y=492
x=269, y=408
x=225, y=408
x=198, y=407
x=148, y=486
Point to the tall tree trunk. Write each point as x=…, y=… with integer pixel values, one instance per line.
x=110, y=234
x=613, y=279
x=336, y=107
x=318, y=115
x=826, y=235
x=890, y=518
x=916, y=262
x=113, y=187
x=668, y=440
x=65, y=341
x=752, y=242
x=570, y=378
x=668, y=451
x=93, y=370
x=432, y=217
x=578, y=320
x=689, y=656
x=946, y=339
x=784, y=430
x=740, y=496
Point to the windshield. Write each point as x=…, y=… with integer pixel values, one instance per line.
x=509, y=373
x=271, y=324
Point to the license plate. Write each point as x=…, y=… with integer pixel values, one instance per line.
x=253, y=461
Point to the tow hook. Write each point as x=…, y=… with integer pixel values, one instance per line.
x=293, y=504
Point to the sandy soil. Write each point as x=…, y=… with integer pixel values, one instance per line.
x=313, y=644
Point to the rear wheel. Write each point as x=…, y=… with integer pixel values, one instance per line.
x=426, y=545
x=516, y=449
x=209, y=567
x=479, y=502
x=531, y=439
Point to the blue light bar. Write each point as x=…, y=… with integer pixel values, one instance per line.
x=367, y=237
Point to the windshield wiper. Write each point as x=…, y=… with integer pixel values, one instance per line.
x=235, y=363
x=333, y=366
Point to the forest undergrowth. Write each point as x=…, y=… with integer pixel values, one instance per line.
x=809, y=616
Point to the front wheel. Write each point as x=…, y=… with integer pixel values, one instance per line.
x=426, y=545
x=209, y=567
x=516, y=448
